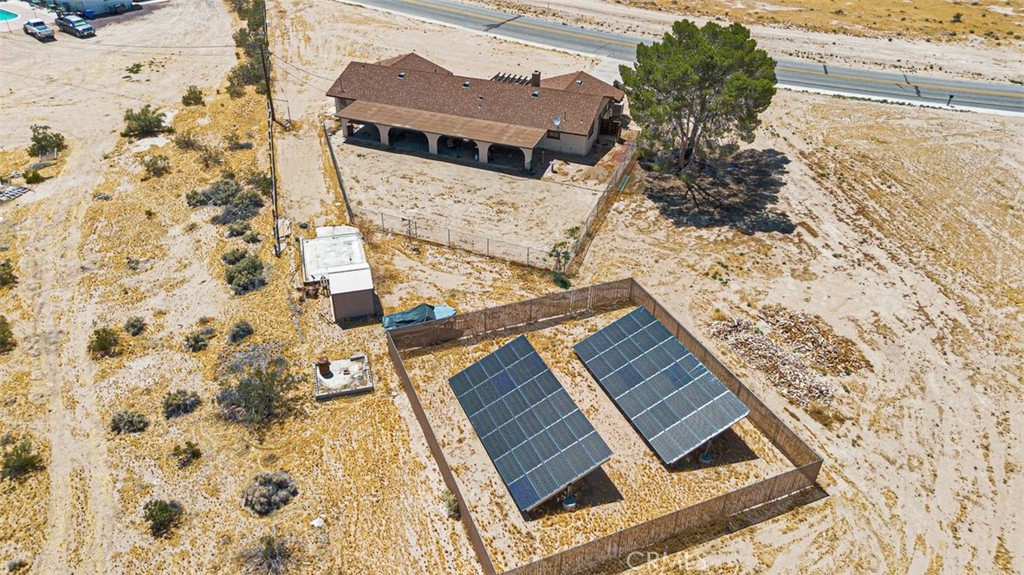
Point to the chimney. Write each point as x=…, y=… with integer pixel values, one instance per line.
x=535, y=79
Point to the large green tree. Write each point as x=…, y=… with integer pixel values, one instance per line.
x=698, y=87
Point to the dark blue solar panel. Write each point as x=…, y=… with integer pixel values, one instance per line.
x=461, y=384
x=668, y=394
x=586, y=349
x=530, y=427
x=503, y=383
x=522, y=490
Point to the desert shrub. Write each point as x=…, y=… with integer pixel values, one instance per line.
x=156, y=165
x=236, y=229
x=251, y=237
x=221, y=193
x=239, y=203
x=7, y=341
x=7, y=276
x=134, y=68
x=128, y=422
x=560, y=280
x=21, y=460
x=260, y=182
x=199, y=340
x=258, y=397
x=246, y=275
x=180, y=402
x=135, y=325
x=269, y=556
x=103, y=343
x=451, y=503
x=210, y=156
x=146, y=122
x=186, y=140
x=233, y=256
x=193, y=96
x=269, y=491
x=34, y=177
x=186, y=454
x=243, y=206
x=162, y=516
x=15, y=565
x=45, y=140
x=240, y=331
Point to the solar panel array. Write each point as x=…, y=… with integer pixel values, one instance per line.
x=668, y=394
x=539, y=440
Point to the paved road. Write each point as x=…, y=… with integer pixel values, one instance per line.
x=791, y=73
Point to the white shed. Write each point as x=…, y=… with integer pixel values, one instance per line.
x=335, y=259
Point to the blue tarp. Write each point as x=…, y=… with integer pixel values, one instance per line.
x=417, y=315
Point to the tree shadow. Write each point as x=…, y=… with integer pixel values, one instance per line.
x=737, y=194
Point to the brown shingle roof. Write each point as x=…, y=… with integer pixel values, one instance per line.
x=585, y=83
x=364, y=111
x=413, y=61
x=468, y=97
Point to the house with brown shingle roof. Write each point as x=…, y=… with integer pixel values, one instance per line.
x=409, y=93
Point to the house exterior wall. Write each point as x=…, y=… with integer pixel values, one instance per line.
x=572, y=143
x=97, y=6
x=352, y=305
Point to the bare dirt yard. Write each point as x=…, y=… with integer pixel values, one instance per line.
x=905, y=240
x=632, y=487
x=523, y=210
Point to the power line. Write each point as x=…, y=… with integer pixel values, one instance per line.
x=301, y=81
x=116, y=48
x=75, y=86
x=303, y=70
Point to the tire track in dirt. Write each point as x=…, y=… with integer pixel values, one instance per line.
x=78, y=524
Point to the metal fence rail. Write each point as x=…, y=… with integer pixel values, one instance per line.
x=659, y=529
x=440, y=233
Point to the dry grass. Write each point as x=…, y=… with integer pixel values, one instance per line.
x=638, y=487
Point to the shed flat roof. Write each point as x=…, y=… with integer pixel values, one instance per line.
x=350, y=281
x=335, y=249
x=364, y=111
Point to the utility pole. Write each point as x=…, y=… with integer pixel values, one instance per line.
x=266, y=81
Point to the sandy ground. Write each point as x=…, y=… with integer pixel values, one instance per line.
x=876, y=50
x=633, y=486
x=908, y=243
x=527, y=211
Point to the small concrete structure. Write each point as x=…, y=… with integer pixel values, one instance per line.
x=335, y=261
x=336, y=377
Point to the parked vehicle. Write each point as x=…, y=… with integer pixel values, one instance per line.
x=75, y=25
x=38, y=28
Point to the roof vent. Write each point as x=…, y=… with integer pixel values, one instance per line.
x=535, y=94
x=579, y=82
x=465, y=84
x=479, y=97
x=401, y=75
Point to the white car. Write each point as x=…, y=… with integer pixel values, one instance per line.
x=38, y=28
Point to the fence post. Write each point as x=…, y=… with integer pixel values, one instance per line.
x=382, y=221
x=449, y=230
x=488, y=247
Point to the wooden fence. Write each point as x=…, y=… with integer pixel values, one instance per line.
x=558, y=306
x=442, y=463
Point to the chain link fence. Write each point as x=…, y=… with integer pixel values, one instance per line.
x=435, y=232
